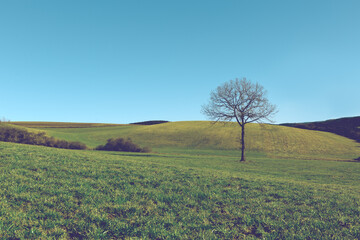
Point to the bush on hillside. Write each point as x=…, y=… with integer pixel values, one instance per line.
x=18, y=135
x=120, y=144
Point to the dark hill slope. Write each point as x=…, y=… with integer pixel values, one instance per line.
x=348, y=127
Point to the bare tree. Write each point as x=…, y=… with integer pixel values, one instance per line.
x=242, y=100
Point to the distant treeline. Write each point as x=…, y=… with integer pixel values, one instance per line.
x=347, y=127
x=9, y=133
x=153, y=122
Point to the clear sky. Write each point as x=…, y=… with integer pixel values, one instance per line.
x=122, y=61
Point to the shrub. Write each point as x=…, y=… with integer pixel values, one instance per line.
x=77, y=145
x=120, y=144
x=9, y=133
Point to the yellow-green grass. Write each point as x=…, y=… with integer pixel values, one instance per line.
x=49, y=193
x=61, y=124
x=17, y=126
x=273, y=140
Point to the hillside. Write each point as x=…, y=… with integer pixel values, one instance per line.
x=273, y=140
x=23, y=135
x=62, y=124
x=347, y=127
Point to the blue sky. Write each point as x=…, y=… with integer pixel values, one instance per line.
x=120, y=61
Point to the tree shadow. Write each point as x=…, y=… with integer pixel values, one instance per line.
x=144, y=155
x=132, y=155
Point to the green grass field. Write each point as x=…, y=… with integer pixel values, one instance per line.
x=192, y=187
x=52, y=193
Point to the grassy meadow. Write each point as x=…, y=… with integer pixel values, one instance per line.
x=273, y=140
x=191, y=187
x=61, y=124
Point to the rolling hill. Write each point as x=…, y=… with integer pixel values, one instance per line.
x=62, y=124
x=273, y=140
x=348, y=127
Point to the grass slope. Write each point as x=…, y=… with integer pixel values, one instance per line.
x=63, y=194
x=273, y=140
x=61, y=124
x=20, y=134
x=347, y=127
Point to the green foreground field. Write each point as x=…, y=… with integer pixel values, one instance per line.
x=51, y=193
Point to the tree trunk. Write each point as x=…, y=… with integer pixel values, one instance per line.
x=242, y=143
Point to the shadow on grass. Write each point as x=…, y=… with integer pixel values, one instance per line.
x=132, y=155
